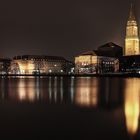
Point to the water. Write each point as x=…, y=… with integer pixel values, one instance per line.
x=68, y=107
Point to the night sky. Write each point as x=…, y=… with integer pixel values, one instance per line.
x=61, y=27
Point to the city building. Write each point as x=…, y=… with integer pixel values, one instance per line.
x=130, y=62
x=4, y=65
x=132, y=37
x=111, y=50
x=38, y=64
x=102, y=60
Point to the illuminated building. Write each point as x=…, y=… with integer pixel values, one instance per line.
x=130, y=62
x=132, y=39
x=37, y=64
x=103, y=60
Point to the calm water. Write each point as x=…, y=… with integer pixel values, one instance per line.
x=68, y=107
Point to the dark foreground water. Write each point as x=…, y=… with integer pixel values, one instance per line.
x=68, y=107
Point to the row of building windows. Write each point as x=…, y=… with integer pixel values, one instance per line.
x=41, y=60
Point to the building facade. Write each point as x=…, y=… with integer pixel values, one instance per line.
x=132, y=37
x=37, y=64
x=130, y=62
x=103, y=60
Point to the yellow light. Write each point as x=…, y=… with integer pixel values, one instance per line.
x=132, y=39
x=26, y=93
x=25, y=66
x=86, y=95
x=132, y=102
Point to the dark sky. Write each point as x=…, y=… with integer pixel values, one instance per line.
x=61, y=27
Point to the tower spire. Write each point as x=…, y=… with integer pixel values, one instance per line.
x=132, y=36
x=131, y=15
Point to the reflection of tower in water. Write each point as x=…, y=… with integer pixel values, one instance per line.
x=132, y=104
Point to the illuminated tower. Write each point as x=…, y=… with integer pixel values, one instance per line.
x=132, y=38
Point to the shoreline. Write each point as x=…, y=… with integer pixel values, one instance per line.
x=137, y=75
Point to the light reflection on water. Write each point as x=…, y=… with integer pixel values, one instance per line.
x=132, y=105
x=25, y=91
x=86, y=92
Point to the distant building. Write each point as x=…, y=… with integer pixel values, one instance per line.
x=102, y=60
x=130, y=64
x=132, y=38
x=111, y=50
x=37, y=64
x=4, y=65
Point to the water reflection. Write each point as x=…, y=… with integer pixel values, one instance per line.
x=72, y=88
x=96, y=93
x=37, y=87
x=27, y=91
x=86, y=92
x=55, y=89
x=32, y=90
x=132, y=104
x=61, y=89
x=50, y=88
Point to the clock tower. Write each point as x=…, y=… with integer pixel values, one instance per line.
x=132, y=37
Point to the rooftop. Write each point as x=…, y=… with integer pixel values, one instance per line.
x=109, y=50
x=38, y=57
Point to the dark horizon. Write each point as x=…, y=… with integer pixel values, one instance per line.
x=61, y=28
